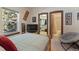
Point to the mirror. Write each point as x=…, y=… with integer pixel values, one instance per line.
x=43, y=23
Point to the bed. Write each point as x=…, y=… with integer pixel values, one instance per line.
x=30, y=42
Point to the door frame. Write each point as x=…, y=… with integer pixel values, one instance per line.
x=59, y=11
x=39, y=21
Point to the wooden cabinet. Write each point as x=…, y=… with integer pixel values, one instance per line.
x=23, y=28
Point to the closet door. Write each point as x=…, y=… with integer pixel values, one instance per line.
x=56, y=25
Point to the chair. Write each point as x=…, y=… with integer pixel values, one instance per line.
x=71, y=39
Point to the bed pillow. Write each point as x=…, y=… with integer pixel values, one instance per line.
x=7, y=44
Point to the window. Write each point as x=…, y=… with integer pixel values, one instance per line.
x=9, y=17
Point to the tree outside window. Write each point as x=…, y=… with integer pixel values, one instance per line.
x=10, y=20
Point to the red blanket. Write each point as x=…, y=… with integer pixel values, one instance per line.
x=7, y=44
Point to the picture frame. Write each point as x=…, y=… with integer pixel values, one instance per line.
x=33, y=19
x=26, y=15
x=68, y=18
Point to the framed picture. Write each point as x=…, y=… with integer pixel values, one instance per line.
x=68, y=18
x=77, y=16
x=26, y=15
x=33, y=19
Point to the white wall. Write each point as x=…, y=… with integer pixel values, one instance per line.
x=33, y=11
x=67, y=28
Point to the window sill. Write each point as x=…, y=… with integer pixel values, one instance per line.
x=11, y=33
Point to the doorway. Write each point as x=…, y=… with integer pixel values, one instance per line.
x=56, y=23
x=43, y=23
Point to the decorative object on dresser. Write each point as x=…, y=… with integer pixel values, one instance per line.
x=32, y=28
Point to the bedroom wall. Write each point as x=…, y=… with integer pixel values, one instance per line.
x=33, y=11
x=66, y=28
x=22, y=12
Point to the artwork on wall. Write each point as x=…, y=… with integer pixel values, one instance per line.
x=33, y=19
x=68, y=18
x=26, y=15
x=77, y=16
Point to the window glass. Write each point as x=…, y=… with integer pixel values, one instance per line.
x=9, y=17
